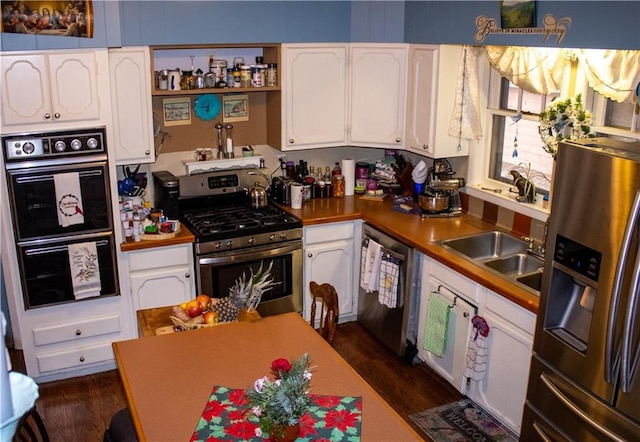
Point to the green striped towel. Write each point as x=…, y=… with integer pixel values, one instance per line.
x=436, y=324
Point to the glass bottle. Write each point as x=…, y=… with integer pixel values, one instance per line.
x=338, y=185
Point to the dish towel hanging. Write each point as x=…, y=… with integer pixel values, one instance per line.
x=68, y=198
x=388, y=280
x=477, y=350
x=436, y=327
x=372, y=253
x=85, y=271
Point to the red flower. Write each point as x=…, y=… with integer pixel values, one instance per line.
x=237, y=397
x=307, y=426
x=326, y=401
x=236, y=415
x=279, y=365
x=242, y=430
x=340, y=419
x=213, y=409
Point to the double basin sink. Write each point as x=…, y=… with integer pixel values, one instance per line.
x=501, y=253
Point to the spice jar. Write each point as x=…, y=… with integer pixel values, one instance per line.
x=272, y=74
x=338, y=186
x=245, y=76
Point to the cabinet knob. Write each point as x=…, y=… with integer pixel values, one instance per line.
x=425, y=146
x=291, y=141
x=309, y=255
x=81, y=358
x=47, y=116
x=56, y=115
x=398, y=140
x=147, y=152
x=78, y=332
x=187, y=275
x=465, y=314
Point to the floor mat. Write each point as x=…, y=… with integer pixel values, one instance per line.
x=461, y=421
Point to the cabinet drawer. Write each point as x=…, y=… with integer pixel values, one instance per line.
x=329, y=232
x=518, y=316
x=70, y=331
x=456, y=282
x=160, y=257
x=75, y=358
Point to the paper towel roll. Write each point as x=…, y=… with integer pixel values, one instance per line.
x=349, y=172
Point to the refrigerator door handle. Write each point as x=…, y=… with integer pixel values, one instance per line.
x=541, y=433
x=548, y=382
x=628, y=367
x=611, y=346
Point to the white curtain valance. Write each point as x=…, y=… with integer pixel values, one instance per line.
x=614, y=74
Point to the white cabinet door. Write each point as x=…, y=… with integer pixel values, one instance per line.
x=161, y=276
x=315, y=103
x=332, y=255
x=433, y=74
x=377, y=95
x=54, y=88
x=509, y=345
x=131, y=105
x=453, y=361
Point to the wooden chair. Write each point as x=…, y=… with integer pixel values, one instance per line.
x=31, y=428
x=326, y=295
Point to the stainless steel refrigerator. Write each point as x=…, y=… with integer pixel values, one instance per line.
x=583, y=382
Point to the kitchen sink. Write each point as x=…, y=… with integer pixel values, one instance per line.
x=501, y=253
x=486, y=245
x=518, y=264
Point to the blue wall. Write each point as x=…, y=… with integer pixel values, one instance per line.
x=595, y=24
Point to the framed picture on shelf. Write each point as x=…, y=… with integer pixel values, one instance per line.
x=517, y=14
x=235, y=108
x=176, y=111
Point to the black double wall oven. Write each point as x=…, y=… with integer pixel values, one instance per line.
x=59, y=192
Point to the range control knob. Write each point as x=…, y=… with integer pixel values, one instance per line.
x=229, y=244
x=272, y=237
x=60, y=146
x=28, y=148
x=252, y=241
x=92, y=143
x=76, y=144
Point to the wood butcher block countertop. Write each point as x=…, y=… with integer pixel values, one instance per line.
x=419, y=233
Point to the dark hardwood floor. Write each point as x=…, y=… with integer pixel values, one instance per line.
x=79, y=409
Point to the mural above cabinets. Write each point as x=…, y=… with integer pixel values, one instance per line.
x=53, y=18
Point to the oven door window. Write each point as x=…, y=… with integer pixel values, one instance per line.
x=48, y=279
x=35, y=201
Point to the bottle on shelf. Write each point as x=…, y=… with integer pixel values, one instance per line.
x=337, y=170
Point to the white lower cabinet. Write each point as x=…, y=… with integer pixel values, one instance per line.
x=459, y=291
x=161, y=276
x=332, y=255
x=503, y=390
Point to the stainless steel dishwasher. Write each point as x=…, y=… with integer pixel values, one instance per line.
x=392, y=326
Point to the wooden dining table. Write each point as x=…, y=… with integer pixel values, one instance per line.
x=167, y=379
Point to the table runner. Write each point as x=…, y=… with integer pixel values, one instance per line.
x=227, y=416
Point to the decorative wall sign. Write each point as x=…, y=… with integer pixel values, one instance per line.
x=551, y=26
x=56, y=18
x=235, y=108
x=176, y=111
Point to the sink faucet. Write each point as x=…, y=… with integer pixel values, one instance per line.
x=533, y=248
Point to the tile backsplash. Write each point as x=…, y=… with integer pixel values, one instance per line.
x=514, y=222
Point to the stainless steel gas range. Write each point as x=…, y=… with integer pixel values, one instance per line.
x=233, y=239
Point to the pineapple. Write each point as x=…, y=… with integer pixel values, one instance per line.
x=244, y=293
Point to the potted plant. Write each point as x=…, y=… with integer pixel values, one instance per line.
x=564, y=120
x=280, y=402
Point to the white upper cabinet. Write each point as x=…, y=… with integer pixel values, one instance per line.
x=56, y=88
x=433, y=72
x=315, y=107
x=131, y=105
x=377, y=95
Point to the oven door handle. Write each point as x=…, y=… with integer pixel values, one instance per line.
x=53, y=249
x=262, y=252
x=42, y=178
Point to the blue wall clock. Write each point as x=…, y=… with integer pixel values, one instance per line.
x=207, y=106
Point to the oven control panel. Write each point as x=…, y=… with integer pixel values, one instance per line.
x=43, y=146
